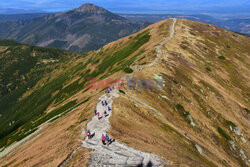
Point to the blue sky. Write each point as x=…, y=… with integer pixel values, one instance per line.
x=127, y=5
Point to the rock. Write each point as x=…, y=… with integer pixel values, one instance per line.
x=230, y=127
x=243, y=154
x=191, y=120
x=164, y=97
x=237, y=131
x=193, y=124
x=243, y=139
x=232, y=144
x=198, y=148
x=158, y=77
x=136, y=105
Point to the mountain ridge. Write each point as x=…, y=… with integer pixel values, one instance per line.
x=198, y=118
x=82, y=29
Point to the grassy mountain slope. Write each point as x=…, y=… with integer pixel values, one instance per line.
x=83, y=29
x=63, y=89
x=203, y=103
x=22, y=67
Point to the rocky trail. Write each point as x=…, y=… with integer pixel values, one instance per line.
x=118, y=154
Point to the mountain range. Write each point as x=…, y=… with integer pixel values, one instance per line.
x=240, y=24
x=83, y=29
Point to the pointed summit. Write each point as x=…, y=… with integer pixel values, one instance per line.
x=91, y=8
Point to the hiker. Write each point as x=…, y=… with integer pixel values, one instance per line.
x=106, y=103
x=109, y=140
x=109, y=108
x=89, y=134
x=95, y=111
x=98, y=116
x=102, y=103
x=106, y=114
x=103, y=139
x=108, y=90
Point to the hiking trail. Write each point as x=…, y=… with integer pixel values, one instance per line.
x=117, y=153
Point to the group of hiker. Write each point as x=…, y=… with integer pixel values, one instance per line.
x=106, y=140
x=104, y=103
x=110, y=89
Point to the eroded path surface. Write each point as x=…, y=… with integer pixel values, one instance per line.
x=118, y=154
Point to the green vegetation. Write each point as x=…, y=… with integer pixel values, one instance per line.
x=142, y=58
x=32, y=125
x=179, y=107
x=128, y=70
x=122, y=91
x=247, y=111
x=176, y=82
x=143, y=63
x=96, y=61
x=28, y=113
x=222, y=57
x=120, y=55
x=186, y=113
x=224, y=134
x=231, y=124
x=5, y=42
x=208, y=69
x=20, y=71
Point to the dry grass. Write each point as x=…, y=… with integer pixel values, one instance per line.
x=211, y=98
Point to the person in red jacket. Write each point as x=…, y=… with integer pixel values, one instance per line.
x=103, y=139
x=88, y=133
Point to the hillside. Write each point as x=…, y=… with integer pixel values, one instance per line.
x=199, y=117
x=22, y=67
x=83, y=29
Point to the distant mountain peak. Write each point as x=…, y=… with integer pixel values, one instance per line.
x=91, y=8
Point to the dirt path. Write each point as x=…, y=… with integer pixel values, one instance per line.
x=158, y=49
x=118, y=154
